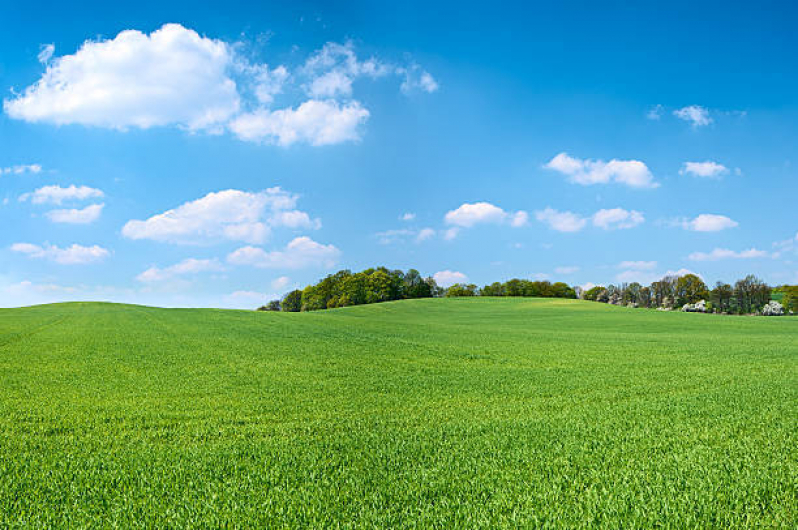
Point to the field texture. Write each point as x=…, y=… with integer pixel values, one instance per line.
x=448, y=413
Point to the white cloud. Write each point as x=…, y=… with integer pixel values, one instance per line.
x=655, y=112
x=633, y=173
x=424, y=234
x=707, y=222
x=86, y=215
x=470, y=214
x=21, y=169
x=696, y=114
x=400, y=235
x=57, y=194
x=316, y=122
x=451, y=233
x=46, y=52
x=416, y=78
x=638, y=265
x=448, y=278
x=185, y=267
x=617, y=218
x=708, y=169
x=280, y=283
x=646, y=277
x=561, y=221
x=334, y=67
x=408, y=216
x=300, y=253
x=566, y=270
x=268, y=82
x=724, y=253
x=72, y=255
x=171, y=77
x=225, y=215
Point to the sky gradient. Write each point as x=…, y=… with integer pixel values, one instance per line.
x=172, y=154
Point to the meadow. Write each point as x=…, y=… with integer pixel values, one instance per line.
x=474, y=412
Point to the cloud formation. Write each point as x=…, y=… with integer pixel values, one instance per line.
x=561, y=221
x=175, y=77
x=708, y=169
x=448, y=278
x=21, y=169
x=632, y=173
x=185, y=267
x=57, y=194
x=171, y=77
x=697, y=115
x=72, y=255
x=617, y=219
x=707, y=222
x=86, y=215
x=224, y=215
x=300, y=253
x=724, y=253
x=468, y=215
x=314, y=122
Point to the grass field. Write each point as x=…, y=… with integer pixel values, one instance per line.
x=446, y=412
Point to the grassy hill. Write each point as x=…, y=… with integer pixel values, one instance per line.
x=447, y=412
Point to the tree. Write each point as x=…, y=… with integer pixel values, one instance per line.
x=414, y=286
x=644, y=297
x=494, y=289
x=292, y=302
x=592, y=293
x=721, y=297
x=461, y=289
x=789, y=297
x=690, y=289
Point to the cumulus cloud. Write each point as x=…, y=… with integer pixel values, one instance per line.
x=471, y=214
x=316, y=122
x=561, y=221
x=300, y=253
x=225, y=215
x=707, y=222
x=617, y=218
x=448, y=278
x=176, y=77
x=21, y=169
x=172, y=76
x=185, y=267
x=724, y=253
x=72, y=255
x=708, y=169
x=408, y=216
x=57, y=194
x=633, y=173
x=697, y=115
x=86, y=215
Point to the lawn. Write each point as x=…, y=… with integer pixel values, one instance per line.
x=440, y=412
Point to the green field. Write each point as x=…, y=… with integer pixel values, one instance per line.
x=439, y=412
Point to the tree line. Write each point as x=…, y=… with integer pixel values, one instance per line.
x=345, y=288
x=746, y=296
x=374, y=285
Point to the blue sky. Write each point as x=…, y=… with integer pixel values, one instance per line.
x=178, y=155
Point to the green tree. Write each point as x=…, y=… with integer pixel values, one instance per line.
x=690, y=289
x=461, y=289
x=292, y=302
